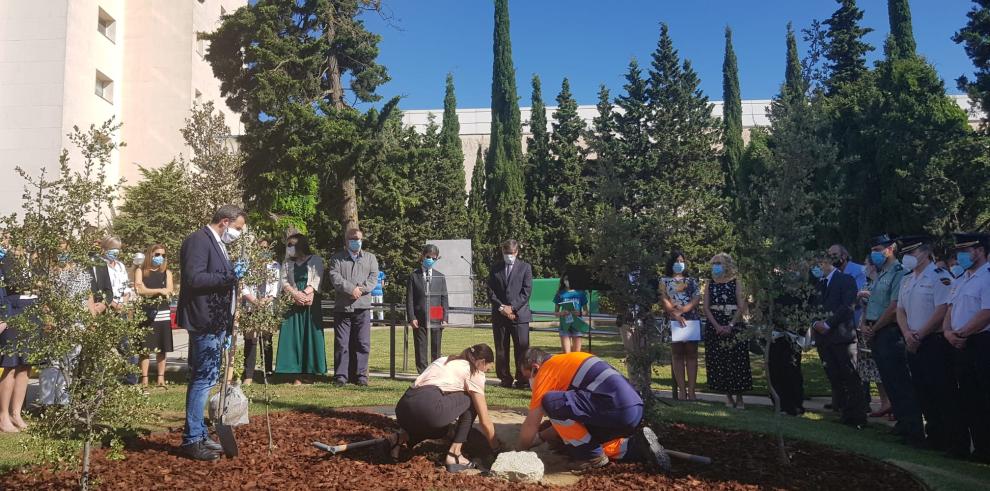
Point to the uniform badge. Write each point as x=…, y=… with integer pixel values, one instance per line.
x=945, y=281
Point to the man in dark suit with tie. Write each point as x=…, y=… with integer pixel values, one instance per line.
x=835, y=338
x=206, y=310
x=426, y=294
x=510, y=285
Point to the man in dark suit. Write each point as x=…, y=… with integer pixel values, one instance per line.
x=206, y=309
x=835, y=338
x=425, y=294
x=510, y=285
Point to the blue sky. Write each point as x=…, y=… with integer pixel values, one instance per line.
x=592, y=41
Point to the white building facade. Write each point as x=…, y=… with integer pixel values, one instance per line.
x=66, y=63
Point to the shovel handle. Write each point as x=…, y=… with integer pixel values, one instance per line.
x=698, y=459
x=336, y=449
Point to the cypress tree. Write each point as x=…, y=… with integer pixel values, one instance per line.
x=731, y=118
x=566, y=181
x=795, y=85
x=505, y=191
x=602, y=143
x=448, y=189
x=846, y=51
x=478, y=217
x=901, y=32
x=539, y=175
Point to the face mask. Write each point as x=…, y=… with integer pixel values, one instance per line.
x=509, y=258
x=354, y=245
x=290, y=251
x=817, y=272
x=957, y=270
x=877, y=258
x=679, y=268
x=157, y=261
x=113, y=254
x=429, y=262
x=230, y=235
x=3, y=253
x=718, y=270
x=910, y=262
x=965, y=259
x=62, y=258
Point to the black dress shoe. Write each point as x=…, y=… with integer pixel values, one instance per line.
x=505, y=385
x=362, y=382
x=199, y=451
x=212, y=445
x=339, y=382
x=521, y=384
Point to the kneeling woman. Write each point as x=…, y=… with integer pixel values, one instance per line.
x=450, y=390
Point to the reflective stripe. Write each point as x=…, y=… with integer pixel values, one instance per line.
x=608, y=372
x=585, y=367
x=572, y=432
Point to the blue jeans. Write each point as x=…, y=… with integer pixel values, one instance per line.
x=891, y=358
x=204, y=372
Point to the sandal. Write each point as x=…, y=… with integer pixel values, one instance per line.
x=458, y=467
x=391, y=447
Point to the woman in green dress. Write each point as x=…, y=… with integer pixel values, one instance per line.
x=301, y=347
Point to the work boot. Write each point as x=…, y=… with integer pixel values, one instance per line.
x=199, y=451
x=212, y=445
x=649, y=447
x=589, y=465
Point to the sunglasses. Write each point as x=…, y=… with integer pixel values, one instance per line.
x=158, y=254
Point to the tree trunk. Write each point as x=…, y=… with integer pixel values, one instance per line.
x=348, y=181
x=84, y=482
x=782, y=457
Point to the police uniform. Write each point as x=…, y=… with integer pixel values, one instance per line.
x=888, y=349
x=970, y=295
x=921, y=295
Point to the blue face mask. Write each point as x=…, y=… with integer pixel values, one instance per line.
x=429, y=262
x=965, y=259
x=817, y=272
x=157, y=261
x=718, y=270
x=113, y=254
x=957, y=270
x=3, y=252
x=679, y=268
x=63, y=258
x=354, y=245
x=877, y=258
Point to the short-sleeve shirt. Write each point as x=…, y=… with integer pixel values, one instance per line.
x=970, y=295
x=922, y=294
x=682, y=291
x=884, y=290
x=454, y=376
x=380, y=286
x=556, y=375
x=580, y=297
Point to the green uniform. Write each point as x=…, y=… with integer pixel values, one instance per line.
x=884, y=290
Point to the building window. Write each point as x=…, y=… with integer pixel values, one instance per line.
x=106, y=25
x=200, y=47
x=104, y=87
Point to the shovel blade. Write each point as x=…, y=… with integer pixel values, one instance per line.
x=227, y=441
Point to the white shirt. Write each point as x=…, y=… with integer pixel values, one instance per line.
x=118, y=280
x=223, y=247
x=970, y=294
x=828, y=279
x=921, y=294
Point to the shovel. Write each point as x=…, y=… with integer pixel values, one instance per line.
x=336, y=449
x=225, y=432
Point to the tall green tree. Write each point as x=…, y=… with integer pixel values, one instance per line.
x=732, y=128
x=795, y=86
x=478, y=217
x=505, y=191
x=567, y=186
x=539, y=175
x=975, y=37
x=846, y=51
x=901, y=31
x=447, y=190
x=161, y=208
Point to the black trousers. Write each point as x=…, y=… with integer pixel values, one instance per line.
x=506, y=330
x=785, y=375
x=937, y=393
x=251, y=354
x=423, y=337
x=973, y=371
x=425, y=413
x=847, y=387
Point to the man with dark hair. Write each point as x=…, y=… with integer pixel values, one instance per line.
x=353, y=274
x=510, y=285
x=207, y=299
x=594, y=411
x=427, y=305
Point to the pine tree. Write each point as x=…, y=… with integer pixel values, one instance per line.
x=632, y=142
x=975, y=36
x=566, y=182
x=505, y=187
x=846, y=51
x=539, y=174
x=731, y=118
x=448, y=189
x=603, y=156
x=901, y=32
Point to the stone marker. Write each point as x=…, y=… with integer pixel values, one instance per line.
x=518, y=467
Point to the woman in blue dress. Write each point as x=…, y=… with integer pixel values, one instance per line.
x=573, y=324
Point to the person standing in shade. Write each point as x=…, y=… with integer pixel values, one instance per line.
x=921, y=307
x=261, y=296
x=570, y=332
x=510, y=285
x=153, y=281
x=301, y=346
x=886, y=341
x=207, y=296
x=378, y=296
x=354, y=274
x=726, y=356
x=680, y=297
x=425, y=293
x=865, y=365
x=14, y=299
x=112, y=286
x=967, y=329
x=835, y=338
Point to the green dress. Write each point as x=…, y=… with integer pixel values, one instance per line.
x=301, y=347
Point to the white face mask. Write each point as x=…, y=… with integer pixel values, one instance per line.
x=230, y=235
x=509, y=258
x=909, y=262
x=290, y=251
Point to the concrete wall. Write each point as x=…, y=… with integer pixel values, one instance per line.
x=455, y=262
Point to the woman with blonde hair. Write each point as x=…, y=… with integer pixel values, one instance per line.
x=726, y=356
x=153, y=281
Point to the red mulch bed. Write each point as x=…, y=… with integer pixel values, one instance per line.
x=742, y=461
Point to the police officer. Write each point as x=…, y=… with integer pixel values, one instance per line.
x=967, y=329
x=886, y=341
x=921, y=306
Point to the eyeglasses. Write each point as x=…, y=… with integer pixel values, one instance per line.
x=158, y=254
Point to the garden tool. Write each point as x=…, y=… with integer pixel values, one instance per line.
x=224, y=431
x=336, y=449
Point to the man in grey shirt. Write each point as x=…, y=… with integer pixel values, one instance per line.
x=353, y=274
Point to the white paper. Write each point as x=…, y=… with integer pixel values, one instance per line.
x=691, y=331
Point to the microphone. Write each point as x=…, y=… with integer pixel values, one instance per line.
x=469, y=262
